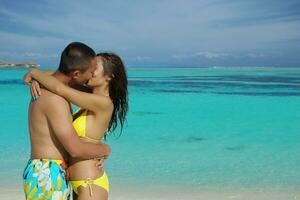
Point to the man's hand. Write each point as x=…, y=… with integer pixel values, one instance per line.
x=100, y=163
x=100, y=160
x=106, y=151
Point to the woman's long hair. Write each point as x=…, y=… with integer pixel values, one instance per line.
x=114, y=67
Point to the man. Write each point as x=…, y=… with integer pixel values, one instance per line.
x=52, y=135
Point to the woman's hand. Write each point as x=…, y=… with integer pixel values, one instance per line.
x=35, y=88
x=28, y=77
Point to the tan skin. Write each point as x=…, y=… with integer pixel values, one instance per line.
x=100, y=108
x=52, y=135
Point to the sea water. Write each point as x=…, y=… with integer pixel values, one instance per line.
x=186, y=127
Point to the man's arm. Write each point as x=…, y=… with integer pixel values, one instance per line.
x=58, y=116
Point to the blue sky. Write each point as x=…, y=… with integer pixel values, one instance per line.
x=155, y=33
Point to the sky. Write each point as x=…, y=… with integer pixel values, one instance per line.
x=155, y=33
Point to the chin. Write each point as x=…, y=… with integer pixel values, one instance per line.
x=89, y=85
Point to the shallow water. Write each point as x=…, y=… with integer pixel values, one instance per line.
x=186, y=127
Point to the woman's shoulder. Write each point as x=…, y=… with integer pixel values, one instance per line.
x=105, y=102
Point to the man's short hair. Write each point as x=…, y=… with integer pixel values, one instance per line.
x=76, y=56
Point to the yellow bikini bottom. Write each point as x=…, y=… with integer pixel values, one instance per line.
x=102, y=182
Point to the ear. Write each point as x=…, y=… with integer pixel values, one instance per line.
x=108, y=78
x=75, y=74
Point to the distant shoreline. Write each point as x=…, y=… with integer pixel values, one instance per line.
x=212, y=68
x=19, y=65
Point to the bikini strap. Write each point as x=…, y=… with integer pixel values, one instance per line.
x=90, y=182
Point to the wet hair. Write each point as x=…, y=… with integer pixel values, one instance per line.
x=114, y=67
x=76, y=56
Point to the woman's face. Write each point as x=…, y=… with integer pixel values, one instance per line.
x=98, y=77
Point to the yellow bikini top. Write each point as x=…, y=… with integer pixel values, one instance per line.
x=80, y=125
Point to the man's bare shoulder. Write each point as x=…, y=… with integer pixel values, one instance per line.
x=50, y=100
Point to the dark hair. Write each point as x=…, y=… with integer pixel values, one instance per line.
x=113, y=66
x=76, y=56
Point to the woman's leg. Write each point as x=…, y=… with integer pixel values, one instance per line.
x=84, y=193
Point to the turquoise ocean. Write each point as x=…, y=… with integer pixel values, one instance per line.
x=186, y=127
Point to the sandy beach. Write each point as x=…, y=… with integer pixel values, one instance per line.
x=173, y=193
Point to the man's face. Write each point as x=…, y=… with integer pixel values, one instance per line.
x=82, y=78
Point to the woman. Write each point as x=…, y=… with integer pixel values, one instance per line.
x=101, y=111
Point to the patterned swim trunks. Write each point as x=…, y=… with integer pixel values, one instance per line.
x=46, y=179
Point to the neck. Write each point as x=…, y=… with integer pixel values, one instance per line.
x=62, y=77
x=102, y=90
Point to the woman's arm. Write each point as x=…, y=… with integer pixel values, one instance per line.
x=35, y=88
x=82, y=88
x=85, y=100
